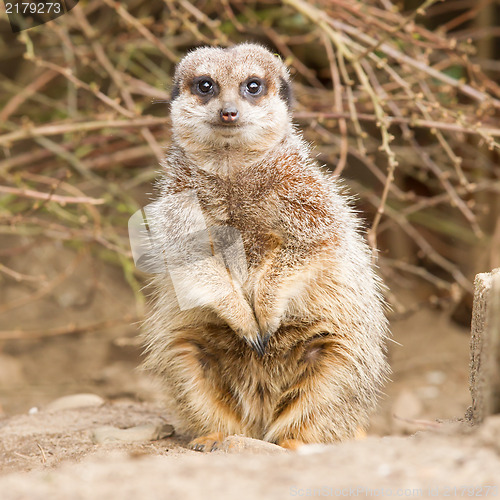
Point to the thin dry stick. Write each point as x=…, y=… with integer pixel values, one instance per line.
x=456, y=161
x=37, y=157
x=469, y=215
x=199, y=15
x=337, y=92
x=116, y=77
x=19, y=276
x=100, y=54
x=397, y=29
x=135, y=23
x=232, y=17
x=49, y=181
x=354, y=116
x=466, y=16
x=44, y=458
x=425, y=203
x=35, y=226
x=417, y=271
x=67, y=330
x=45, y=290
x=418, y=65
x=426, y=248
x=57, y=198
x=47, y=130
x=396, y=120
x=67, y=73
x=18, y=99
x=308, y=74
x=124, y=155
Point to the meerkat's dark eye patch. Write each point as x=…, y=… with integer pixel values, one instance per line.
x=204, y=87
x=286, y=92
x=253, y=87
x=175, y=91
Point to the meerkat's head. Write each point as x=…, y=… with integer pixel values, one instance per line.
x=231, y=98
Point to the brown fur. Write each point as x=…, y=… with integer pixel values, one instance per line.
x=310, y=288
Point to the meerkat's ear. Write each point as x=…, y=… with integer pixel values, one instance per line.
x=176, y=90
x=286, y=92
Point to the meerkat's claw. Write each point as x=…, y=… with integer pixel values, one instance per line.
x=207, y=443
x=259, y=344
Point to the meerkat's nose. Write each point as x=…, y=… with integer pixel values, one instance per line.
x=229, y=114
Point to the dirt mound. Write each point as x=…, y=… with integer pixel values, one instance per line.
x=65, y=463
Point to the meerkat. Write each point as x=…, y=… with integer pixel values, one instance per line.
x=269, y=321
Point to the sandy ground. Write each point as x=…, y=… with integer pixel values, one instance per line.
x=453, y=460
x=53, y=454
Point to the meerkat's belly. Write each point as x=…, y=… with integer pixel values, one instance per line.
x=230, y=389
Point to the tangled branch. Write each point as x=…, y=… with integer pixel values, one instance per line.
x=405, y=113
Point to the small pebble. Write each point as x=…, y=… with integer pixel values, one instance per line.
x=75, y=401
x=142, y=433
x=238, y=444
x=435, y=377
x=428, y=392
x=33, y=410
x=407, y=405
x=406, y=409
x=384, y=470
x=312, y=449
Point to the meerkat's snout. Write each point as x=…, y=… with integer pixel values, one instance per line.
x=229, y=114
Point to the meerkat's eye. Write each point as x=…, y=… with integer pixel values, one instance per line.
x=204, y=86
x=254, y=86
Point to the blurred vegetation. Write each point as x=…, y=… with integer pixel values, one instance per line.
x=402, y=100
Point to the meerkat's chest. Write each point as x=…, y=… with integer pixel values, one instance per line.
x=249, y=210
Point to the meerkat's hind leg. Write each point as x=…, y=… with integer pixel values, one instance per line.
x=360, y=434
x=325, y=401
x=291, y=444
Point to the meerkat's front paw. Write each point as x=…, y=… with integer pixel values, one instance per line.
x=268, y=313
x=207, y=443
x=267, y=325
x=252, y=336
x=239, y=315
x=251, y=333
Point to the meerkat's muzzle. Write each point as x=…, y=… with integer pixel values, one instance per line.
x=229, y=114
